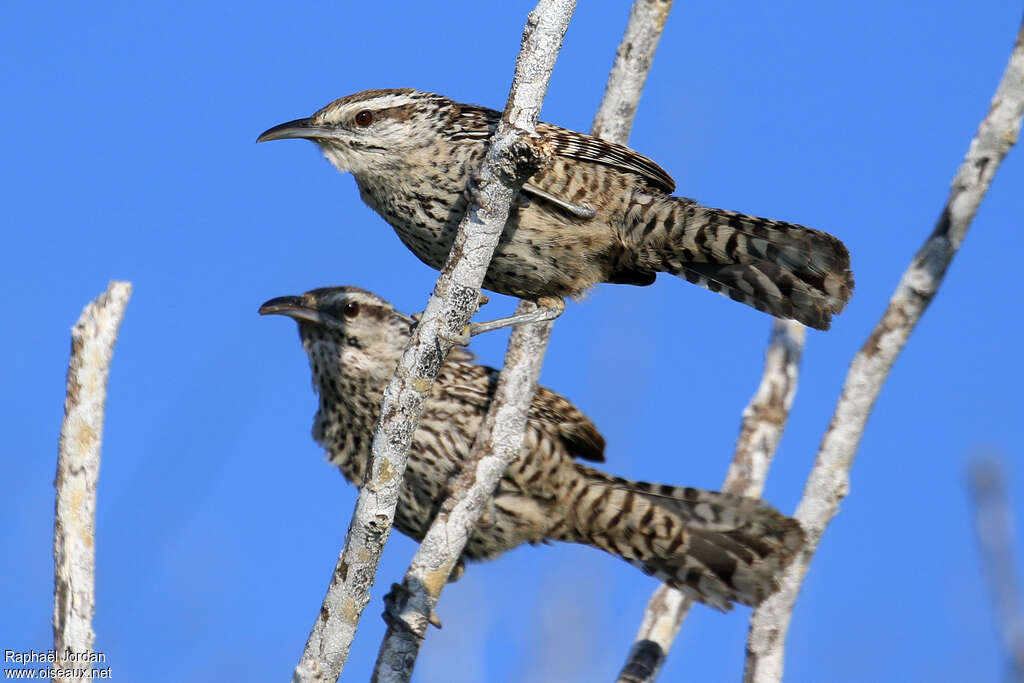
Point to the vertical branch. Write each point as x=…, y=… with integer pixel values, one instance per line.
x=411, y=605
x=994, y=523
x=760, y=432
x=78, y=470
x=511, y=158
x=828, y=482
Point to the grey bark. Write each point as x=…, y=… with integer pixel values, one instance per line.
x=78, y=470
x=829, y=481
x=510, y=159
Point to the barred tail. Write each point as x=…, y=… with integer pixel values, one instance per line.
x=715, y=547
x=783, y=269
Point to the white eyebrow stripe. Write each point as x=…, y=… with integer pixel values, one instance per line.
x=382, y=102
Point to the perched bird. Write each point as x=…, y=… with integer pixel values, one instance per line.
x=716, y=547
x=596, y=212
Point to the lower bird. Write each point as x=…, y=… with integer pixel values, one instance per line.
x=594, y=212
x=715, y=547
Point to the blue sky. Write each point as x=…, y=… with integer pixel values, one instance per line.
x=130, y=153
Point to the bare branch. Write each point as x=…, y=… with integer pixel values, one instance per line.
x=994, y=524
x=633, y=60
x=411, y=605
x=765, y=417
x=510, y=159
x=78, y=471
x=760, y=432
x=828, y=483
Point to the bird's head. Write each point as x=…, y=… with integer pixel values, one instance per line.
x=348, y=333
x=370, y=131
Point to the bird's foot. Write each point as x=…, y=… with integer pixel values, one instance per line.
x=395, y=602
x=548, y=308
x=461, y=339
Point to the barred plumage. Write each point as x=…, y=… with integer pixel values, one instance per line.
x=716, y=547
x=597, y=212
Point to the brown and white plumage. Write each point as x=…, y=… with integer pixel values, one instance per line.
x=596, y=212
x=716, y=547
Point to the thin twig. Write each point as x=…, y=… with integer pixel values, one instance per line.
x=411, y=605
x=510, y=159
x=760, y=432
x=78, y=471
x=828, y=482
x=994, y=523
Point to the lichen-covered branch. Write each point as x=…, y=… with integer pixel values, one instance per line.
x=760, y=432
x=78, y=471
x=511, y=158
x=828, y=483
x=411, y=604
x=993, y=521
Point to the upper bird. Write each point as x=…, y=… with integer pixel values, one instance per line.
x=595, y=212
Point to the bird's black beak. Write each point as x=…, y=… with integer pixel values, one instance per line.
x=293, y=307
x=299, y=128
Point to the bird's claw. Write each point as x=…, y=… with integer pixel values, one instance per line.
x=462, y=339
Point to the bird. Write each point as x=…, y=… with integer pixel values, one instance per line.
x=595, y=212
x=717, y=548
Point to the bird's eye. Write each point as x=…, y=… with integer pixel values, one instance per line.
x=351, y=309
x=364, y=118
